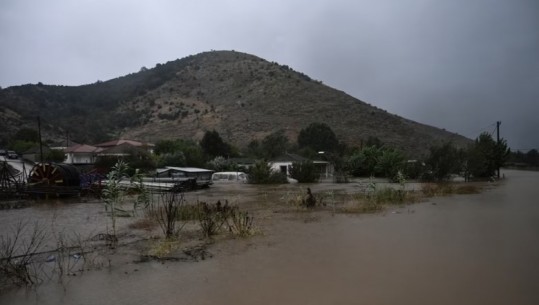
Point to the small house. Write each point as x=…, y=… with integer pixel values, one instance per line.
x=284, y=162
x=81, y=154
x=202, y=176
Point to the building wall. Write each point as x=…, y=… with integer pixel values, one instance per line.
x=281, y=167
x=80, y=158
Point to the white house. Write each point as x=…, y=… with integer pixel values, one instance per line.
x=81, y=154
x=284, y=163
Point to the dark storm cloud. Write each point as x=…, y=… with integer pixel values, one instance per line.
x=459, y=65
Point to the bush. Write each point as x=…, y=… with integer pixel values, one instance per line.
x=166, y=213
x=171, y=159
x=212, y=217
x=17, y=250
x=390, y=163
x=442, y=162
x=304, y=172
x=261, y=173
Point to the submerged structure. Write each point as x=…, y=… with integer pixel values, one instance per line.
x=54, y=178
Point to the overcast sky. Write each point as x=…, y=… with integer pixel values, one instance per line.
x=461, y=65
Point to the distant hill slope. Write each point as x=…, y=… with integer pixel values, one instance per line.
x=241, y=96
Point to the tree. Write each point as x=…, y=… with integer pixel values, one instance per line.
x=22, y=146
x=26, y=134
x=304, y=172
x=55, y=155
x=180, y=152
x=443, y=161
x=390, y=163
x=171, y=159
x=354, y=164
x=486, y=156
x=114, y=193
x=254, y=149
x=24, y=139
x=374, y=141
x=213, y=145
x=274, y=144
x=532, y=157
x=220, y=164
x=194, y=156
x=319, y=137
x=261, y=173
x=167, y=147
x=365, y=162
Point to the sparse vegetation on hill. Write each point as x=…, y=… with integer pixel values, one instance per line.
x=243, y=97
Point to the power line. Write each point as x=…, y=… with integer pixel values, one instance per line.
x=486, y=128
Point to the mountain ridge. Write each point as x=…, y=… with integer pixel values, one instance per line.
x=240, y=95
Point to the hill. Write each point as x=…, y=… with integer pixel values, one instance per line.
x=241, y=96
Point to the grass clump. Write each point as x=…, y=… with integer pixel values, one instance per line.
x=446, y=189
x=163, y=248
x=242, y=223
x=375, y=199
x=213, y=218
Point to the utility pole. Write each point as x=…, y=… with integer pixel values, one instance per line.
x=40, y=142
x=498, y=123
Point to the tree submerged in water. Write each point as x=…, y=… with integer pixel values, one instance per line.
x=115, y=193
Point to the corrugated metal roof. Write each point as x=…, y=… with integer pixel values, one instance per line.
x=189, y=169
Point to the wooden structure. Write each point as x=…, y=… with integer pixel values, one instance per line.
x=10, y=184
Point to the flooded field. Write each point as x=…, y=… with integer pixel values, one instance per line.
x=463, y=249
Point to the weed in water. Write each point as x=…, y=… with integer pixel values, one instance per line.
x=445, y=189
x=165, y=212
x=242, y=223
x=163, y=248
x=213, y=216
x=362, y=203
x=17, y=264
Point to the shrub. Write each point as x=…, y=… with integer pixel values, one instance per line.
x=17, y=249
x=212, y=217
x=166, y=213
x=443, y=161
x=242, y=223
x=304, y=172
x=261, y=173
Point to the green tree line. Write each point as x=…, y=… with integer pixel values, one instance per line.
x=316, y=142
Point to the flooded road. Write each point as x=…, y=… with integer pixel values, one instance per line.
x=464, y=249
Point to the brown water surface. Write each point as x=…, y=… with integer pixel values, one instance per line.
x=465, y=249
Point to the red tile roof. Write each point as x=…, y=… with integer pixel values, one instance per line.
x=82, y=148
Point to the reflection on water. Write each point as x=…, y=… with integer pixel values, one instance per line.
x=469, y=249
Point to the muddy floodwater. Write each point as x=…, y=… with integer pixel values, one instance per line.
x=462, y=249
